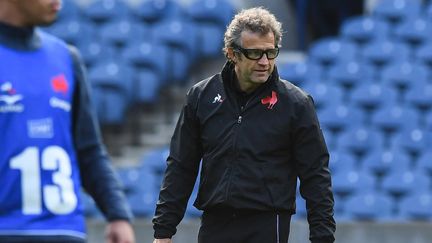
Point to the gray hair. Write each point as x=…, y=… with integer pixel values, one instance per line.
x=257, y=20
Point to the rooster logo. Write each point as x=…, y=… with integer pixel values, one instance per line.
x=271, y=101
x=60, y=84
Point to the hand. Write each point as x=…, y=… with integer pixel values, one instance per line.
x=167, y=240
x=119, y=231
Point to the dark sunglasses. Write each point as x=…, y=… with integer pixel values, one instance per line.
x=256, y=54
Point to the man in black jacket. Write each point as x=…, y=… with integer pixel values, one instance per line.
x=50, y=140
x=255, y=135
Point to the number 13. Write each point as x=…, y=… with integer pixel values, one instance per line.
x=59, y=198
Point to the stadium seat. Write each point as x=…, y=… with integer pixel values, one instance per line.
x=120, y=32
x=129, y=176
x=415, y=31
x=395, y=11
x=424, y=54
x=370, y=206
x=349, y=74
x=352, y=181
x=414, y=140
x=340, y=117
x=360, y=140
x=155, y=160
x=420, y=95
x=324, y=95
x=209, y=40
x=370, y=95
x=153, y=11
x=329, y=50
x=95, y=51
x=404, y=73
x=394, y=118
x=300, y=72
x=142, y=55
x=342, y=160
x=417, y=206
x=110, y=105
x=143, y=203
x=404, y=182
x=74, y=31
x=70, y=10
x=102, y=11
x=384, y=161
x=89, y=206
x=219, y=12
x=364, y=29
x=112, y=74
x=146, y=86
x=424, y=162
x=382, y=52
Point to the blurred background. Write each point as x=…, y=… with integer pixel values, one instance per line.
x=368, y=65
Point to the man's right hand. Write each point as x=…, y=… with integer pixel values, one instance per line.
x=167, y=240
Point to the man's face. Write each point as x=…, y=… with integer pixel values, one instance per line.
x=253, y=73
x=37, y=12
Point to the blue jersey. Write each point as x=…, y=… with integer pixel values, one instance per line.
x=39, y=174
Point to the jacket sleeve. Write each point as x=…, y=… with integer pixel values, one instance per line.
x=97, y=175
x=180, y=175
x=312, y=158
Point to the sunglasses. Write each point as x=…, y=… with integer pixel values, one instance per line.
x=256, y=54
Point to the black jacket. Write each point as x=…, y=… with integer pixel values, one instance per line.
x=251, y=154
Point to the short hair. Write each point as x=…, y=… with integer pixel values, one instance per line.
x=256, y=20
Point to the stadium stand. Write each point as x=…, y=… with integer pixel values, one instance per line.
x=371, y=86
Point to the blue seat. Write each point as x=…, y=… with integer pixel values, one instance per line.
x=424, y=54
x=420, y=95
x=424, y=162
x=414, y=140
x=143, y=203
x=142, y=55
x=340, y=117
x=360, y=140
x=155, y=160
x=209, y=40
x=134, y=178
x=300, y=72
x=324, y=95
x=402, y=74
x=89, y=206
x=74, y=31
x=219, y=12
x=110, y=105
x=415, y=31
x=352, y=181
x=364, y=29
x=395, y=11
x=382, y=52
x=370, y=206
x=371, y=95
x=393, y=117
x=404, y=182
x=153, y=11
x=342, y=160
x=112, y=74
x=350, y=73
x=120, y=32
x=102, y=11
x=70, y=10
x=384, y=161
x=331, y=49
x=95, y=51
x=147, y=85
x=417, y=206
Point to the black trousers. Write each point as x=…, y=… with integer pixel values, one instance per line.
x=244, y=226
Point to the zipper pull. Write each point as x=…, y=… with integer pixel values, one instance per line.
x=239, y=119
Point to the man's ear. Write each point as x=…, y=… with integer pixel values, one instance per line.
x=231, y=56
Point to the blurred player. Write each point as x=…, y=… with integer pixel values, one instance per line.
x=50, y=144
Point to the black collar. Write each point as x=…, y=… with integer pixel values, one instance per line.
x=19, y=38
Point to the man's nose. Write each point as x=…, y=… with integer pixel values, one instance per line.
x=263, y=60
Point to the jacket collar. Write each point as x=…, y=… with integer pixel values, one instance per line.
x=19, y=38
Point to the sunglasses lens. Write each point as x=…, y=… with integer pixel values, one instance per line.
x=273, y=53
x=254, y=54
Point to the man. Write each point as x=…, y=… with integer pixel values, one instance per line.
x=49, y=139
x=255, y=134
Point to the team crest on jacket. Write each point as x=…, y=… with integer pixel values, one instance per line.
x=217, y=99
x=270, y=100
